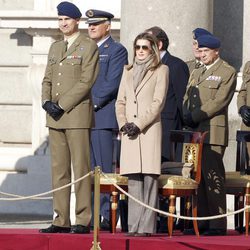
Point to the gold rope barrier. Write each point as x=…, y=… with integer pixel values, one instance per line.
x=96, y=243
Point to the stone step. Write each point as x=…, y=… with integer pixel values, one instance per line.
x=12, y=155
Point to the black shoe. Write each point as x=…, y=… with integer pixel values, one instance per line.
x=162, y=230
x=130, y=234
x=215, y=232
x=55, y=229
x=79, y=229
x=105, y=225
x=241, y=229
x=142, y=234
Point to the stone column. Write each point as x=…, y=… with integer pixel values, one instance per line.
x=178, y=18
x=39, y=53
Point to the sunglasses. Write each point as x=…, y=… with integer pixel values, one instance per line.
x=143, y=47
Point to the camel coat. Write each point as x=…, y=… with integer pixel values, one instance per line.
x=243, y=97
x=143, y=106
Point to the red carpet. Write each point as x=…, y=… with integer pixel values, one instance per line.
x=30, y=239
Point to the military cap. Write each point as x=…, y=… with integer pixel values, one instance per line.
x=200, y=32
x=98, y=16
x=208, y=41
x=68, y=9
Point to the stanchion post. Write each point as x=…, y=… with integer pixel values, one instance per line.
x=96, y=243
x=248, y=210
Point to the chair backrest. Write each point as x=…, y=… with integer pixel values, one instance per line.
x=242, y=157
x=192, y=148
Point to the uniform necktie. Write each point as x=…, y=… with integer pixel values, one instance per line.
x=65, y=46
x=204, y=68
x=202, y=71
x=198, y=65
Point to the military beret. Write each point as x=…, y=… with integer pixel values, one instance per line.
x=208, y=41
x=200, y=32
x=98, y=16
x=68, y=9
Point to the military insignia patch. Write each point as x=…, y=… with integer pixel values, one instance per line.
x=74, y=57
x=90, y=13
x=214, y=78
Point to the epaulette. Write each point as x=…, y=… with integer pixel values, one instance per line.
x=190, y=60
x=57, y=41
x=228, y=65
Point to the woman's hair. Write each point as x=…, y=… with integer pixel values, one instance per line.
x=154, y=46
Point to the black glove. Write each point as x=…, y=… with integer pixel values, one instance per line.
x=188, y=120
x=133, y=130
x=126, y=128
x=46, y=105
x=245, y=114
x=53, y=110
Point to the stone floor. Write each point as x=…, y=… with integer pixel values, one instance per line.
x=24, y=221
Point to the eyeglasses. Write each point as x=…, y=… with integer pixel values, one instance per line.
x=143, y=47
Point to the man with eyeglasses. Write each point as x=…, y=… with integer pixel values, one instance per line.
x=112, y=58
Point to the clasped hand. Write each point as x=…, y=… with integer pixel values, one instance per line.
x=130, y=129
x=245, y=114
x=188, y=120
x=53, y=109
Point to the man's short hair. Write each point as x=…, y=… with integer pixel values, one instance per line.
x=161, y=35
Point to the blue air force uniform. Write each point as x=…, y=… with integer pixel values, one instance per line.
x=112, y=58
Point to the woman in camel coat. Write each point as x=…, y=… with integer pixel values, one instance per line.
x=139, y=103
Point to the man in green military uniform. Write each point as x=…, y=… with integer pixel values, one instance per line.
x=70, y=73
x=243, y=102
x=205, y=108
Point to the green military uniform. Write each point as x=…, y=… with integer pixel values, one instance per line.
x=207, y=98
x=193, y=64
x=243, y=97
x=68, y=79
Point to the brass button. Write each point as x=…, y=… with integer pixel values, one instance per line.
x=57, y=94
x=58, y=84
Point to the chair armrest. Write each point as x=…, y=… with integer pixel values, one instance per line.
x=187, y=169
x=172, y=168
x=177, y=168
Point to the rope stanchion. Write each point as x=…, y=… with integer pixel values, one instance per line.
x=35, y=197
x=173, y=215
x=96, y=243
x=18, y=198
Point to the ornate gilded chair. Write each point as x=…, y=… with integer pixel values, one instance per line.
x=173, y=186
x=238, y=182
x=107, y=187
